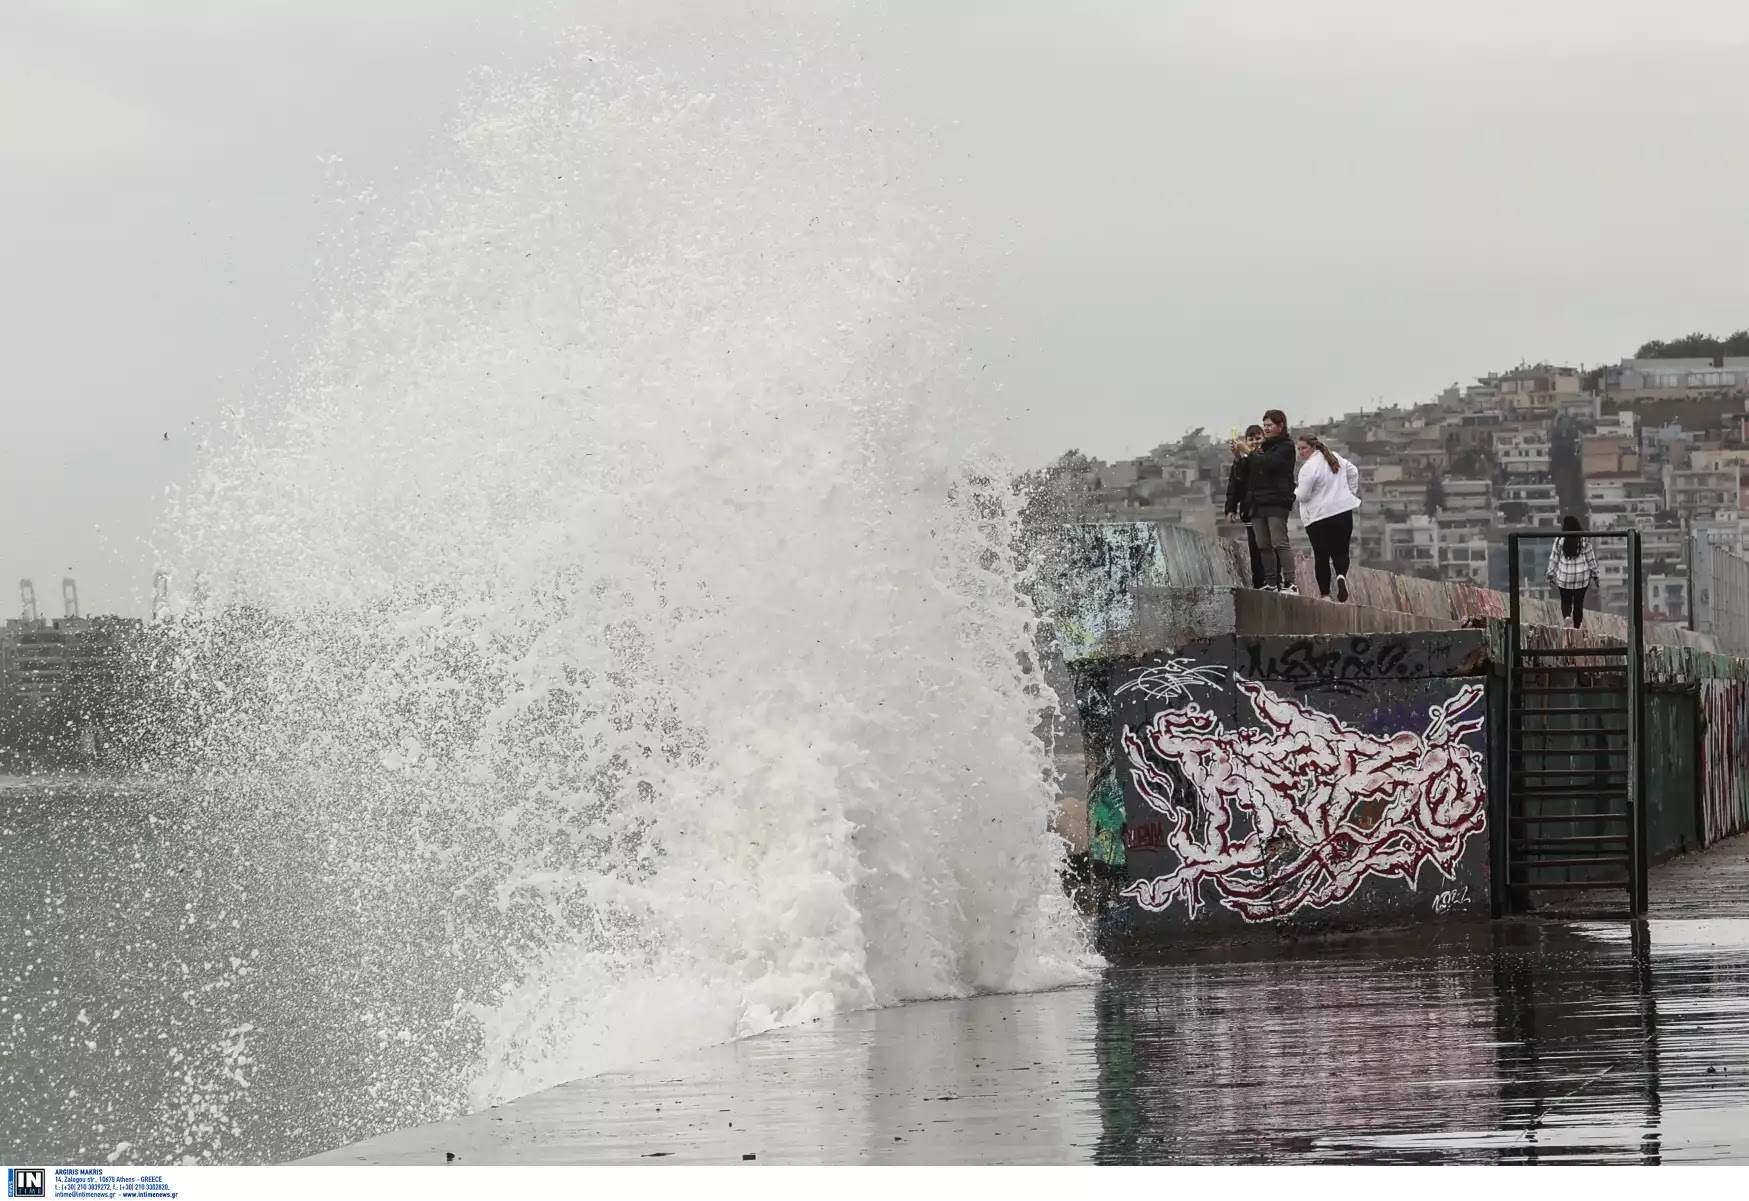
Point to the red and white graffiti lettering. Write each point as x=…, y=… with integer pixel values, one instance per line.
x=1328, y=805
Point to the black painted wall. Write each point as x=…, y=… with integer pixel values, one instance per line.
x=1282, y=785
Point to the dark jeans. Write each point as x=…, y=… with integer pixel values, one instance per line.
x=1330, y=538
x=1256, y=556
x=1270, y=529
x=1573, y=605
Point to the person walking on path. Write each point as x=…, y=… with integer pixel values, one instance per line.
x=1328, y=492
x=1238, y=503
x=1269, y=485
x=1572, y=570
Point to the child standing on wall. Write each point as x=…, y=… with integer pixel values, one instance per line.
x=1238, y=500
x=1572, y=570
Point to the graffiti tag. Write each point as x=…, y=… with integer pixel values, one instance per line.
x=1172, y=679
x=1319, y=666
x=1451, y=899
x=1329, y=805
x=1149, y=836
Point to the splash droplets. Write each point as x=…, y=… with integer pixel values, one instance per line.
x=615, y=600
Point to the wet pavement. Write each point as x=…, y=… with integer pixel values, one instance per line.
x=1524, y=1041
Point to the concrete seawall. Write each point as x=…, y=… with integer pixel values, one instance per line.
x=1260, y=765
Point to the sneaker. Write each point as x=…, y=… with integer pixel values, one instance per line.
x=1342, y=590
x=1289, y=590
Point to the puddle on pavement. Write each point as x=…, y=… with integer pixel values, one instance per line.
x=1515, y=1042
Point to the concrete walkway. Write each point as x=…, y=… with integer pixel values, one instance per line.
x=1518, y=1041
x=1713, y=883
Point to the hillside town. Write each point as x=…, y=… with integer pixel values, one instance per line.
x=1658, y=442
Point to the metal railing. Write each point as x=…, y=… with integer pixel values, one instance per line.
x=1636, y=714
x=1718, y=594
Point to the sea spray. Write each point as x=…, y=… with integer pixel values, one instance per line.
x=619, y=600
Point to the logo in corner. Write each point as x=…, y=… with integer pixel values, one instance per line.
x=26, y=1182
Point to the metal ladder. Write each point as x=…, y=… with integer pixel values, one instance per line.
x=1576, y=821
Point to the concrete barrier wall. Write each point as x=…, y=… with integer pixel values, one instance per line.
x=1091, y=599
x=1276, y=785
x=1266, y=613
x=1191, y=560
x=1181, y=558
x=1148, y=590
x=1674, y=773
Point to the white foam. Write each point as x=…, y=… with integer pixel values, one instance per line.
x=639, y=586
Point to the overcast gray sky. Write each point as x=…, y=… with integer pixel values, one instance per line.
x=1191, y=211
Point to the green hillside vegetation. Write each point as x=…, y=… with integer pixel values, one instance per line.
x=1696, y=346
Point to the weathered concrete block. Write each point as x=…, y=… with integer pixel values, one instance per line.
x=1362, y=662
x=1279, y=613
x=1171, y=616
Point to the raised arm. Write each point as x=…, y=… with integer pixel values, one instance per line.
x=1351, y=476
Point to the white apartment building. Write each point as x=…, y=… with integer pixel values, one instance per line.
x=1374, y=474
x=1726, y=528
x=1425, y=455
x=1460, y=526
x=1639, y=375
x=1612, y=573
x=1717, y=458
x=1667, y=596
x=1617, y=500
x=1522, y=452
x=1700, y=493
x=1473, y=429
x=1483, y=394
x=1402, y=497
x=1662, y=446
x=1414, y=542
x=1466, y=496
x=1369, y=535
x=1585, y=407
x=1541, y=502
x=1623, y=424
x=1463, y=551
x=1538, y=391
x=1423, y=542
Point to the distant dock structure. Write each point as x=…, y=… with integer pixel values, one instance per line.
x=41, y=657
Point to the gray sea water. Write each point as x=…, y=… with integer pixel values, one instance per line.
x=160, y=993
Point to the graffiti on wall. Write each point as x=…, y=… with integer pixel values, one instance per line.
x=1105, y=819
x=1093, y=597
x=1301, y=811
x=1172, y=679
x=1452, y=898
x=1333, y=665
x=1725, y=777
x=1089, y=683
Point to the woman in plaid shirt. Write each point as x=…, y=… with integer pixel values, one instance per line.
x=1572, y=569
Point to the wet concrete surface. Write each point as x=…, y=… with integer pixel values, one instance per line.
x=1522, y=1041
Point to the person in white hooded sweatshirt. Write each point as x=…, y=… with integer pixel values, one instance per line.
x=1328, y=492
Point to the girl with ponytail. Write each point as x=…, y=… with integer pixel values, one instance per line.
x=1328, y=492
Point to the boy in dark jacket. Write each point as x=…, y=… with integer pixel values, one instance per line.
x=1238, y=503
x=1269, y=486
